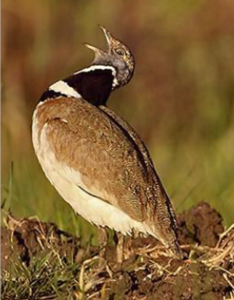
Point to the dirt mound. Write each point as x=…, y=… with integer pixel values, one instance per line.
x=52, y=264
x=30, y=238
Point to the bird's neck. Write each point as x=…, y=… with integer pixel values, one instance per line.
x=93, y=84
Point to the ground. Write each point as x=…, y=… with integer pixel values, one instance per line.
x=41, y=262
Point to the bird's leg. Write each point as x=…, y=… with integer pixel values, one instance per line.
x=102, y=241
x=119, y=239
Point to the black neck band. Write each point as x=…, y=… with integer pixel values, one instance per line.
x=94, y=86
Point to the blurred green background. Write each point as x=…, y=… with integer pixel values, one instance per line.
x=180, y=100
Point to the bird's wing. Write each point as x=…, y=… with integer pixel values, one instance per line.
x=152, y=175
x=98, y=154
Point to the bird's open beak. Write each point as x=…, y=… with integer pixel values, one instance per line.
x=98, y=52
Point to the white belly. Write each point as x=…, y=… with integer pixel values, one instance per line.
x=67, y=182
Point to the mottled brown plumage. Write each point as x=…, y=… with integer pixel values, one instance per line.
x=111, y=158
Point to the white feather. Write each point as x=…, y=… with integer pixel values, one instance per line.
x=62, y=87
x=98, y=67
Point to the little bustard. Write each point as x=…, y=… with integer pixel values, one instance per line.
x=95, y=159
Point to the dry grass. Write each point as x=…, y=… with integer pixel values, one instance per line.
x=56, y=277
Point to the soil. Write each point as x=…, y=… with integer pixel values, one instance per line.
x=148, y=271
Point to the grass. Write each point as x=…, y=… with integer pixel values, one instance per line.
x=47, y=278
x=50, y=277
x=54, y=266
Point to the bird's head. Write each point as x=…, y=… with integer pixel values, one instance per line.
x=118, y=56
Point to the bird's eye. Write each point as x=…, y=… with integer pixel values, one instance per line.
x=119, y=51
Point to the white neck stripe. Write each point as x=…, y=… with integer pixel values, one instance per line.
x=98, y=67
x=62, y=87
x=101, y=67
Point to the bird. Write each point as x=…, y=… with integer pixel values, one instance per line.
x=94, y=158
